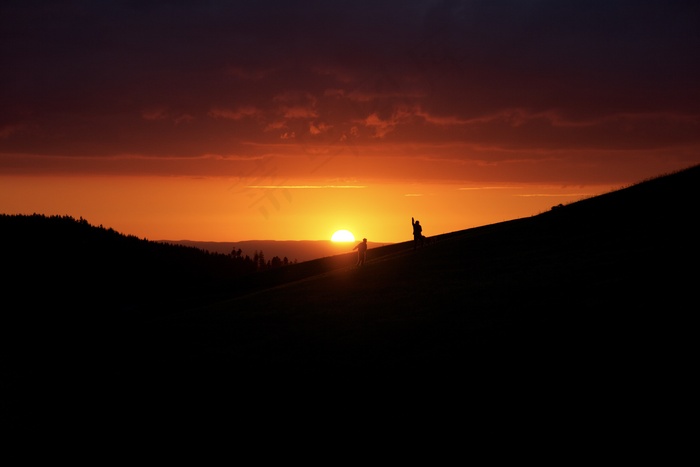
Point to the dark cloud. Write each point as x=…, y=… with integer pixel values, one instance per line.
x=187, y=78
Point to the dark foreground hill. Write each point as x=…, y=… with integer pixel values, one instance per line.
x=596, y=295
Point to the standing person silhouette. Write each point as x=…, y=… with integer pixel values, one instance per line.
x=417, y=233
x=361, y=252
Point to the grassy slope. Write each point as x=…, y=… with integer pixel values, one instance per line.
x=599, y=283
x=600, y=287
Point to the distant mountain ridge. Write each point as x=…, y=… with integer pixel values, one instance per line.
x=293, y=250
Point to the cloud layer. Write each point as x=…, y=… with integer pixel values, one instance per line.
x=219, y=84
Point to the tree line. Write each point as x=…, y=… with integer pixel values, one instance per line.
x=42, y=243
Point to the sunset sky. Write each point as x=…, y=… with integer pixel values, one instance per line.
x=222, y=120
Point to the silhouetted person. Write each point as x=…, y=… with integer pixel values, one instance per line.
x=361, y=252
x=417, y=233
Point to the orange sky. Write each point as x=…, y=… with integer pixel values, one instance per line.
x=216, y=209
x=218, y=121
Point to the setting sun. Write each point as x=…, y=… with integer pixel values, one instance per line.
x=343, y=236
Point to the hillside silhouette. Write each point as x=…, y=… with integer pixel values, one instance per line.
x=598, y=290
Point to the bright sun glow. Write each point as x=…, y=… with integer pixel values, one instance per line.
x=343, y=236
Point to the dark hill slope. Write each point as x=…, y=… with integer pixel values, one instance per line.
x=601, y=285
x=601, y=289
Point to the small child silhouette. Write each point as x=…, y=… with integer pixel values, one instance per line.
x=361, y=252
